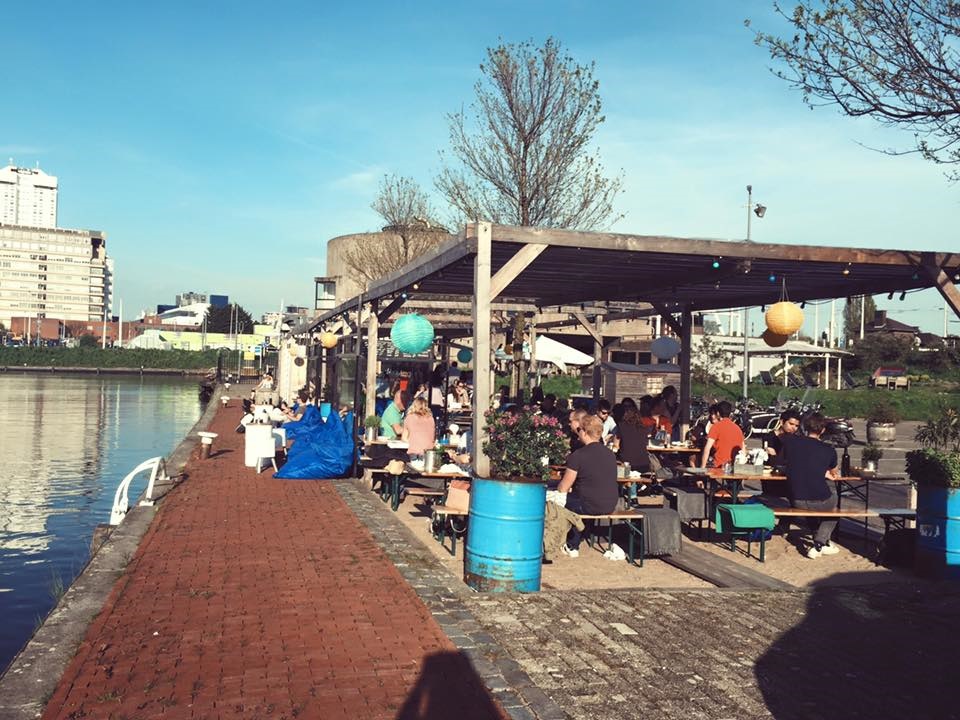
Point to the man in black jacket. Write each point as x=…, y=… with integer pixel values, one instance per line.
x=811, y=471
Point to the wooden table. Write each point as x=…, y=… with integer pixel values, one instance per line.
x=674, y=449
x=391, y=485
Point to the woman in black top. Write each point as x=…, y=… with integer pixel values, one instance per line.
x=633, y=437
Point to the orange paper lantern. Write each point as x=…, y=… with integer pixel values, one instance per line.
x=784, y=318
x=772, y=339
x=328, y=340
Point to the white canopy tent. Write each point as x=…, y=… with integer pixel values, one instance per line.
x=552, y=351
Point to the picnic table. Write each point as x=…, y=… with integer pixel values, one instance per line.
x=391, y=484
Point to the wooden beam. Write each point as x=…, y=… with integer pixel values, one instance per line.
x=373, y=323
x=597, y=357
x=942, y=281
x=668, y=318
x=686, y=342
x=513, y=267
x=707, y=248
x=390, y=309
x=481, y=347
x=582, y=319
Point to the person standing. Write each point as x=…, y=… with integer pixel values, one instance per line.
x=590, y=479
x=811, y=471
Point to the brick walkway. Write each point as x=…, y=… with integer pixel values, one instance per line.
x=257, y=598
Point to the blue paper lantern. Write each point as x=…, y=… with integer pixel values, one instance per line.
x=464, y=356
x=412, y=334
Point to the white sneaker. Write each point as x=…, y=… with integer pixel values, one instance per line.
x=813, y=553
x=829, y=549
x=567, y=551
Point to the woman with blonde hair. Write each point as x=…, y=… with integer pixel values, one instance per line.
x=419, y=428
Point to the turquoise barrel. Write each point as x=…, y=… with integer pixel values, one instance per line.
x=938, y=532
x=505, y=535
x=325, y=410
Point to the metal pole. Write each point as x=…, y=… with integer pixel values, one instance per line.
x=863, y=304
x=746, y=350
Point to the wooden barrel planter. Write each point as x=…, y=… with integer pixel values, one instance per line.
x=881, y=432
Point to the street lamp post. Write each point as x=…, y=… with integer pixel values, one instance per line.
x=759, y=210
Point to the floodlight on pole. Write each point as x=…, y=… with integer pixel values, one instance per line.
x=759, y=211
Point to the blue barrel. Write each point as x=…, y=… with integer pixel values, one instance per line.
x=505, y=536
x=325, y=409
x=938, y=532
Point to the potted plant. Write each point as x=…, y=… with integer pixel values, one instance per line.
x=935, y=470
x=882, y=422
x=372, y=426
x=507, y=510
x=870, y=457
x=523, y=445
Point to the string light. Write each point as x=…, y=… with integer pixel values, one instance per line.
x=846, y=270
x=772, y=278
x=903, y=296
x=716, y=264
x=890, y=296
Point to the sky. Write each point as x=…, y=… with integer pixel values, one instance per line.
x=219, y=145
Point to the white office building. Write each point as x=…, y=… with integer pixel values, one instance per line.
x=28, y=197
x=54, y=273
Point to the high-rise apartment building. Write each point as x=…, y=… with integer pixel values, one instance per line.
x=28, y=197
x=54, y=273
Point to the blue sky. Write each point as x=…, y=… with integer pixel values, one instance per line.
x=221, y=145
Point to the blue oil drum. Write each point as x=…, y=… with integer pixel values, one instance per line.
x=938, y=532
x=505, y=535
x=325, y=410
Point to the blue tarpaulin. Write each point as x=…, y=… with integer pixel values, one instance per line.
x=321, y=450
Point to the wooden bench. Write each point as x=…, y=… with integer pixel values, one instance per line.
x=441, y=517
x=892, y=517
x=633, y=519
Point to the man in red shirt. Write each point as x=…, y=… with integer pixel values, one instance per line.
x=725, y=438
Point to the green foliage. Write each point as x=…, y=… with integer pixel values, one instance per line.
x=918, y=403
x=883, y=411
x=88, y=341
x=934, y=468
x=871, y=453
x=562, y=386
x=942, y=431
x=710, y=361
x=226, y=319
x=518, y=443
x=371, y=421
x=879, y=349
x=95, y=357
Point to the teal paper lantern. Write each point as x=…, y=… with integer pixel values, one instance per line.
x=464, y=356
x=412, y=334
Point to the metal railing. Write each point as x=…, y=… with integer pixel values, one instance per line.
x=121, y=500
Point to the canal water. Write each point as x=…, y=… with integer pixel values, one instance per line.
x=66, y=442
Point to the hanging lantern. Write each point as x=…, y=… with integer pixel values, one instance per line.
x=412, y=334
x=328, y=340
x=772, y=339
x=784, y=318
x=464, y=356
x=664, y=348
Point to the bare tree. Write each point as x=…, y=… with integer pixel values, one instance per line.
x=410, y=231
x=893, y=60
x=523, y=157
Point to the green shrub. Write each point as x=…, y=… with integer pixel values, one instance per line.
x=934, y=468
x=562, y=386
x=883, y=411
x=871, y=453
x=95, y=357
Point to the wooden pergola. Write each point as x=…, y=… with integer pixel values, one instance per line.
x=592, y=275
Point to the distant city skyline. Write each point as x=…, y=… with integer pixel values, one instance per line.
x=222, y=150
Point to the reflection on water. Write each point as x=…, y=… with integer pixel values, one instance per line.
x=66, y=442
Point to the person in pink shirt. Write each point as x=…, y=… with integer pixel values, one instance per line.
x=419, y=429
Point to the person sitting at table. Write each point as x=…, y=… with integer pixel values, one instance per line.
x=590, y=479
x=609, y=424
x=811, y=471
x=671, y=406
x=419, y=428
x=725, y=438
x=574, y=419
x=632, y=439
x=391, y=422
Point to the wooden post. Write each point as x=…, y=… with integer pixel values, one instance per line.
x=481, y=346
x=839, y=372
x=686, y=335
x=597, y=358
x=826, y=372
x=373, y=330
x=533, y=352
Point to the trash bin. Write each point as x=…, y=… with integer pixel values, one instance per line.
x=505, y=535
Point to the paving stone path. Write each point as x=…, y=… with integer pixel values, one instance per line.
x=251, y=597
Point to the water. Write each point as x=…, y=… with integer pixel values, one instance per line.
x=66, y=442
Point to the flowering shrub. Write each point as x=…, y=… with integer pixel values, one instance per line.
x=518, y=443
